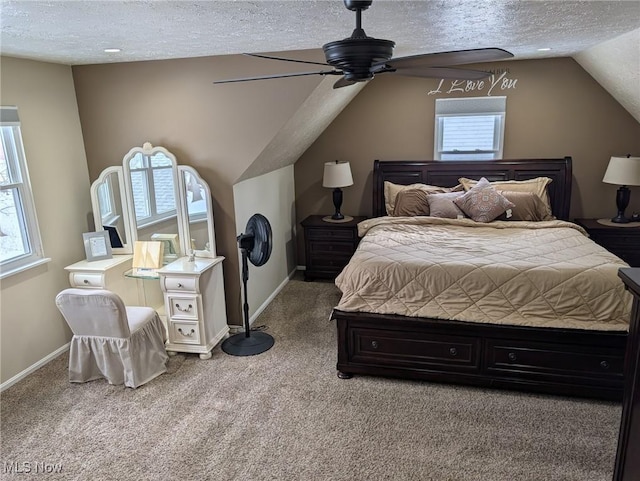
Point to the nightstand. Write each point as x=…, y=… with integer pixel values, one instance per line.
x=621, y=241
x=328, y=245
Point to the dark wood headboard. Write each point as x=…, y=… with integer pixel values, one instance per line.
x=445, y=173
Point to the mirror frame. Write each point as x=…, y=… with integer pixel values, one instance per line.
x=184, y=209
x=148, y=149
x=127, y=247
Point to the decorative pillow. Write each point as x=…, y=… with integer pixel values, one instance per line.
x=537, y=185
x=410, y=202
x=392, y=190
x=442, y=205
x=482, y=202
x=528, y=206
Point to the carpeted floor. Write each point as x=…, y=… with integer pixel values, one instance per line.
x=284, y=415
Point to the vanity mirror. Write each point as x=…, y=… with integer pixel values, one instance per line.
x=109, y=209
x=151, y=197
x=151, y=184
x=195, y=199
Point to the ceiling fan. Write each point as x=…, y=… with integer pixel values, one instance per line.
x=359, y=58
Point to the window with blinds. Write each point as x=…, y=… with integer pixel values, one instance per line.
x=469, y=128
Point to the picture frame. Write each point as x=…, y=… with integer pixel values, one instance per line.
x=97, y=245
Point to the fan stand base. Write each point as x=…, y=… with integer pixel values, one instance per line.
x=241, y=345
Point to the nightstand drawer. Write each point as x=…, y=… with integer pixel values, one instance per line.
x=316, y=233
x=337, y=248
x=333, y=262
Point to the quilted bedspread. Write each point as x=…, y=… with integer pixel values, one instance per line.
x=519, y=273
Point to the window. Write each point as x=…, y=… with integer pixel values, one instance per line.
x=154, y=196
x=469, y=128
x=20, y=244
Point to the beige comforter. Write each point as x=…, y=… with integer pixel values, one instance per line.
x=519, y=273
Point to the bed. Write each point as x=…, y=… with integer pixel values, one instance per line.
x=411, y=333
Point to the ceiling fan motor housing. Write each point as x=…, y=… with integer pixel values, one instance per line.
x=356, y=56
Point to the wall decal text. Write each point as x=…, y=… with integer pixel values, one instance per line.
x=488, y=86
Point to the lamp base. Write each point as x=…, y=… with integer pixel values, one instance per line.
x=346, y=218
x=620, y=219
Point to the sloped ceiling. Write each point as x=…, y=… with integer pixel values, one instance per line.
x=615, y=64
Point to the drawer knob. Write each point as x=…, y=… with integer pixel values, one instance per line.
x=86, y=281
x=184, y=309
x=512, y=356
x=604, y=364
x=180, y=286
x=188, y=334
x=453, y=351
x=374, y=344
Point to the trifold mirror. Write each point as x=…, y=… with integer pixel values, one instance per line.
x=151, y=197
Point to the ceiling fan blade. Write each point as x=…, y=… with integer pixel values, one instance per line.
x=343, y=82
x=441, y=72
x=444, y=59
x=284, y=75
x=283, y=59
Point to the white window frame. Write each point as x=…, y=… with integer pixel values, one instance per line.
x=466, y=107
x=18, y=181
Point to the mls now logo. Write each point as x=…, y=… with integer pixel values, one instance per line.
x=28, y=467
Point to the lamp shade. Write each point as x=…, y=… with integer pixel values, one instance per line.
x=337, y=174
x=623, y=171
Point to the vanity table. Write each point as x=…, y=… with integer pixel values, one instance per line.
x=151, y=197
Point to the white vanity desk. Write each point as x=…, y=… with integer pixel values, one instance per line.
x=151, y=196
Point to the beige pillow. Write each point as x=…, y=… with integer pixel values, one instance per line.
x=527, y=206
x=538, y=186
x=410, y=202
x=442, y=205
x=392, y=190
x=482, y=202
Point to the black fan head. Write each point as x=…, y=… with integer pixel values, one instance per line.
x=259, y=229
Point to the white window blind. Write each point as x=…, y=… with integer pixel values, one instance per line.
x=20, y=242
x=469, y=128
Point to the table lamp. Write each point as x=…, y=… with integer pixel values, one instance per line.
x=336, y=175
x=622, y=171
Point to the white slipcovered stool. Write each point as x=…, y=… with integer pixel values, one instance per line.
x=120, y=343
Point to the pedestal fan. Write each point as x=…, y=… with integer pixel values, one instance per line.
x=255, y=246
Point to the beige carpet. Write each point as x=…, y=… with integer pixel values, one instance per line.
x=284, y=415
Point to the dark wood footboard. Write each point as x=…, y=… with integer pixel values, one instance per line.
x=548, y=360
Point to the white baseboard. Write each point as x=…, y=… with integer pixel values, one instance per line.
x=45, y=360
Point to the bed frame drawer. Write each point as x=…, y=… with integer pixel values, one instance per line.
x=531, y=359
x=394, y=348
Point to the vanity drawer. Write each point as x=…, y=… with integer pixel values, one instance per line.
x=186, y=284
x=184, y=332
x=84, y=279
x=183, y=307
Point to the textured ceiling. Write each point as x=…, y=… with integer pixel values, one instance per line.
x=76, y=32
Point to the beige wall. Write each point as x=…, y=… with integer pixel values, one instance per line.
x=271, y=195
x=218, y=129
x=31, y=327
x=556, y=109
